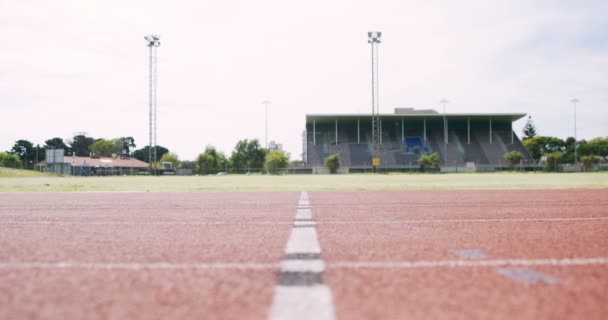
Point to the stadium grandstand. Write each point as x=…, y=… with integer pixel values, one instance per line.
x=474, y=141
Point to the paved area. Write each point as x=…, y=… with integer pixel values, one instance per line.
x=524, y=254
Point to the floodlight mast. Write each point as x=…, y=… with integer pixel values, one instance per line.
x=574, y=102
x=373, y=38
x=266, y=103
x=152, y=41
x=445, y=133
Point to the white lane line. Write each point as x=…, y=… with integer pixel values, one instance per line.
x=303, y=214
x=465, y=220
x=465, y=263
x=302, y=303
x=138, y=266
x=193, y=223
x=300, y=292
x=303, y=240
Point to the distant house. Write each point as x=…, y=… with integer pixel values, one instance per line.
x=102, y=166
x=92, y=166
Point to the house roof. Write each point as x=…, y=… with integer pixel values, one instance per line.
x=105, y=162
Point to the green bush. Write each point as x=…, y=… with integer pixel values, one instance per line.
x=275, y=160
x=333, y=163
x=514, y=157
x=589, y=161
x=553, y=160
x=428, y=160
x=9, y=160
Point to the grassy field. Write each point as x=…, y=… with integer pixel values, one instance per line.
x=19, y=181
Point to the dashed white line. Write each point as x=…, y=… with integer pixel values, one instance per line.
x=300, y=292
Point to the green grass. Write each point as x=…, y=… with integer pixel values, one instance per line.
x=18, y=173
x=38, y=183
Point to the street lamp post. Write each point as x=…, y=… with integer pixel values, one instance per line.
x=574, y=102
x=266, y=103
x=445, y=133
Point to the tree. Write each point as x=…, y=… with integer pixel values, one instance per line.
x=10, y=160
x=541, y=145
x=56, y=143
x=80, y=144
x=333, y=163
x=128, y=145
x=589, y=162
x=106, y=148
x=275, y=160
x=428, y=160
x=553, y=159
x=26, y=152
x=210, y=160
x=529, y=129
x=248, y=154
x=143, y=154
x=514, y=157
x=596, y=146
x=170, y=157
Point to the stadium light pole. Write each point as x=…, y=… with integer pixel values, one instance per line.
x=574, y=102
x=266, y=103
x=445, y=133
x=152, y=41
x=373, y=38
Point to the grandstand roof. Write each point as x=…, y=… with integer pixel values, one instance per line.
x=456, y=116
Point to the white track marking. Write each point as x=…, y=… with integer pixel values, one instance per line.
x=139, y=266
x=466, y=220
x=295, y=303
x=303, y=214
x=465, y=263
x=303, y=265
x=303, y=240
x=300, y=292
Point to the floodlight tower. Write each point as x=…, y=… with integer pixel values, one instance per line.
x=445, y=133
x=152, y=41
x=373, y=38
x=574, y=102
x=266, y=103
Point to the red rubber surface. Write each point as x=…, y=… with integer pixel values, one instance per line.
x=378, y=226
x=122, y=228
x=469, y=292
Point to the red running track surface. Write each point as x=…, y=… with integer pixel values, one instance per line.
x=216, y=255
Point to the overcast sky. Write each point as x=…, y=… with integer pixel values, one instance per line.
x=82, y=66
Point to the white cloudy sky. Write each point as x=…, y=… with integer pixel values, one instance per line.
x=73, y=66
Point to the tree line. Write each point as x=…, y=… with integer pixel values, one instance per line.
x=247, y=155
x=555, y=150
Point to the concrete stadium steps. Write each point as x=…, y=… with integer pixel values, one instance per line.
x=494, y=151
x=472, y=151
x=454, y=156
x=517, y=145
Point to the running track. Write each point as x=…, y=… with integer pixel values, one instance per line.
x=517, y=254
